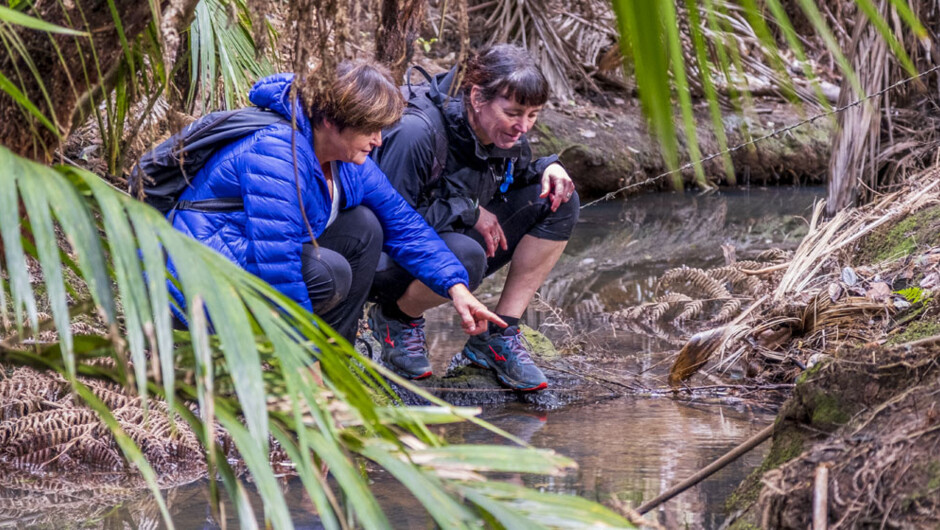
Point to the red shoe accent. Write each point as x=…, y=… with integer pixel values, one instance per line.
x=388, y=336
x=542, y=386
x=497, y=356
x=422, y=376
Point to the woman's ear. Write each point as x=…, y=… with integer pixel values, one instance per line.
x=476, y=98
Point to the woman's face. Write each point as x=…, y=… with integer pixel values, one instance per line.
x=501, y=121
x=354, y=145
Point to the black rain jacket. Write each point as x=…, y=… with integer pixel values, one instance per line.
x=472, y=173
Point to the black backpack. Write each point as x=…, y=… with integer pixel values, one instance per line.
x=164, y=172
x=424, y=101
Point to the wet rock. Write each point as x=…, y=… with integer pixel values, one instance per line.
x=464, y=384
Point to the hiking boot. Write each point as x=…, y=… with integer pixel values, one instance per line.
x=507, y=355
x=404, y=348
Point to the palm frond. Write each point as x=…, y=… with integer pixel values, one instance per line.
x=116, y=246
x=649, y=36
x=223, y=55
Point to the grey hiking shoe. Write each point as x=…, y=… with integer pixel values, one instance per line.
x=404, y=348
x=507, y=355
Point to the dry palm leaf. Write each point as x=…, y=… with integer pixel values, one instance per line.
x=693, y=356
x=847, y=227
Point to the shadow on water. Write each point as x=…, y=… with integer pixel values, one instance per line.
x=631, y=448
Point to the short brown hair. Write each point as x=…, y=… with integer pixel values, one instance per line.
x=363, y=97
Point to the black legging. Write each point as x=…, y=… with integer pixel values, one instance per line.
x=338, y=272
x=519, y=212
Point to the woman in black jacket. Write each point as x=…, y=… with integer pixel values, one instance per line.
x=464, y=163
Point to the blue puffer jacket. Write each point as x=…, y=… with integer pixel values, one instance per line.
x=266, y=237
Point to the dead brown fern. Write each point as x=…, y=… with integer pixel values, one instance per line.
x=692, y=282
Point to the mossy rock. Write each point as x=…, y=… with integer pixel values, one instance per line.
x=542, y=347
x=916, y=330
x=917, y=231
x=828, y=411
x=788, y=443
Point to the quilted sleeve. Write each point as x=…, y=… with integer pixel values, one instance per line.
x=274, y=226
x=408, y=238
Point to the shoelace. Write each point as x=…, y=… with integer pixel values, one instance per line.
x=413, y=338
x=517, y=345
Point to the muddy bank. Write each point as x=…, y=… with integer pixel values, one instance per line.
x=605, y=149
x=865, y=407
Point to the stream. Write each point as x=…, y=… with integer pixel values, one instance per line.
x=630, y=447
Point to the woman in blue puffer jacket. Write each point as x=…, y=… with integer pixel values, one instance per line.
x=318, y=182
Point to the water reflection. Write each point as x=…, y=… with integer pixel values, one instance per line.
x=631, y=449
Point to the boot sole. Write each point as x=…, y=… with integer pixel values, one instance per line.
x=504, y=380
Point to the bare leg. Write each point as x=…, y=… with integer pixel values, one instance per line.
x=530, y=265
x=418, y=299
x=531, y=262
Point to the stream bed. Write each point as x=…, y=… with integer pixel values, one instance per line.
x=629, y=447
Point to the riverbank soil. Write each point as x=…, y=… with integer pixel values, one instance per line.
x=606, y=148
x=859, y=307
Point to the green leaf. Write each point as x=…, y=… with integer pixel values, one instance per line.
x=21, y=290
x=711, y=95
x=11, y=90
x=881, y=26
x=492, y=458
x=39, y=185
x=822, y=29
x=22, y=19
x=445, y=510
x=677, y=63
x=544, y=509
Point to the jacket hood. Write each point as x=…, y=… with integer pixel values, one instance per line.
x=273, y=92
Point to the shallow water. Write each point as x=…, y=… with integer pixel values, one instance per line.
x=632, y=448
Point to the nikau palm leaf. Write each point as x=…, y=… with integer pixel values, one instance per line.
x=116, y=246
x=651, y=41
x=222, y=55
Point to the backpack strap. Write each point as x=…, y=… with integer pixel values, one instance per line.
x=434, y=90
x=426, y=105
x=223, y=205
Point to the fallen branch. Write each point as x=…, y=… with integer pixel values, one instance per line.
x=772, y=386
x=926, y=341
x=729, y=457
x=821, y=498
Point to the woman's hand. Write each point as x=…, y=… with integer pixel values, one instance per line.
x=555, y=181
x=488, y=227
x=473, y=314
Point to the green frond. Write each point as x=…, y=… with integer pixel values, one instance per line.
x=238, y=325
x=21, y=19
x=223, y=55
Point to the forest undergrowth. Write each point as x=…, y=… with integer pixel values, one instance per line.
x=851, y=319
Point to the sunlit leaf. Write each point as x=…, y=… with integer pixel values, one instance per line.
x=21, y=19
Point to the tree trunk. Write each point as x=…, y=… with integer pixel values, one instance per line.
x=396, y=32
x=66, y=67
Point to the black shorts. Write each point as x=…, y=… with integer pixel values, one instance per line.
x=520, y=212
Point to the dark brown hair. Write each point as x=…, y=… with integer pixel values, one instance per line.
x=363, y=97
x=508, y=71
